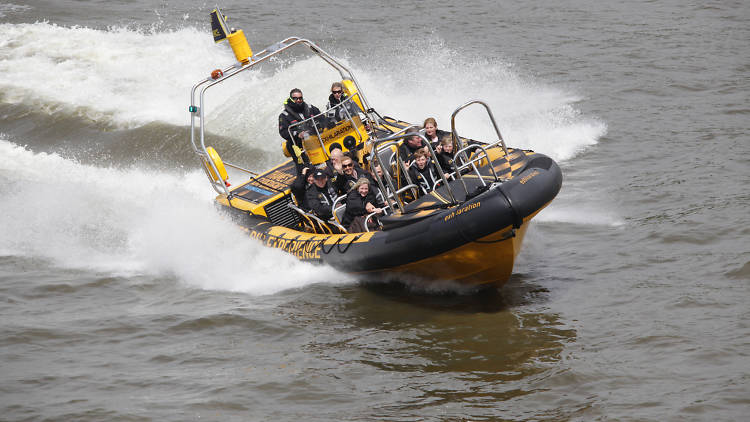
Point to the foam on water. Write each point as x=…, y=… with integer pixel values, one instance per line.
x=130, y=221
x=530, y=114
x=129, y=77
x=122, y=76
x=588, y=214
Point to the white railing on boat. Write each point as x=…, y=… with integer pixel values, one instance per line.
x=500, y=140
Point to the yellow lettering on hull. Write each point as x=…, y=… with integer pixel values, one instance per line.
x=462, y=210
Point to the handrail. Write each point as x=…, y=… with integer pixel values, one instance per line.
x=391, y=187
x=471, y=163
x=335, y=208
x=437, y=183
x=381, y=144
x=494, y=124
x=322, y=223
x=372, y=214
x=234, y=166
x=308, y=216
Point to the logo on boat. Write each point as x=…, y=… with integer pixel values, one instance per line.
x=528, y=176
x=302, y=249
x=278, y=180
x=462, y=210
x=345, y=128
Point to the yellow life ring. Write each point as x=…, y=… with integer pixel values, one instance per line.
x=214, y=157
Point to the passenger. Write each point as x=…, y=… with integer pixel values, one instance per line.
x=333, y=164
x=411, y=145
x=320, y=196
x=445, y=155
x=345, y=111
x=335, y=149
x=432, y=133
x=296, y=110
x=360, y=202
x=423, y=173
x=351, y=173
x=300, y=185
x=378, y=170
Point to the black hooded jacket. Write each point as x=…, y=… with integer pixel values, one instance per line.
x=424, y=178
x=356, y=205
x=340, y=113
x=294, y=113
x=320, y=200
x=446, y=161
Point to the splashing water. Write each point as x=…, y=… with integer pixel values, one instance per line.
x=130, y=221
x=130, y=77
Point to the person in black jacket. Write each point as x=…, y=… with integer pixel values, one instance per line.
x=409, y=146
x=445, y=154
x=423, y=173
x=432, y=133
x=360, y=202
x=333, y=164
x=300, y=184
x=345, y=111
x=296, y=110
x=320, y=196
x=350, y=174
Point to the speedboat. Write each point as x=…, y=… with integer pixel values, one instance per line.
x=467, y=229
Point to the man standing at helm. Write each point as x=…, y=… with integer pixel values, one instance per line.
x=296, y=110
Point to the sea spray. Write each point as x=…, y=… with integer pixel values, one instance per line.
x=130, y=77
x=130, y=221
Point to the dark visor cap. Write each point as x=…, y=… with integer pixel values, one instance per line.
x=320, y=175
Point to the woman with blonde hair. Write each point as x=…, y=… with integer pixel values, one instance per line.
x=432, y=133
x=360, y=202
x=340, y=106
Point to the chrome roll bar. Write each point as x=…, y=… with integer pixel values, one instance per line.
x=379, y=145
x=198, y=111
x=472, y=163
x=501, y=141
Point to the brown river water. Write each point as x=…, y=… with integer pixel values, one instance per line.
x=124, y=296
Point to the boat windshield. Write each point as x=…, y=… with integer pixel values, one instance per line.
x=345, y=124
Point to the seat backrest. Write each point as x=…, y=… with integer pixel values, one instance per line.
x=338, y=208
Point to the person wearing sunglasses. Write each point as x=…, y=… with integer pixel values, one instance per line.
x=340, y=106
x=296, y=110
x=351, y=173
